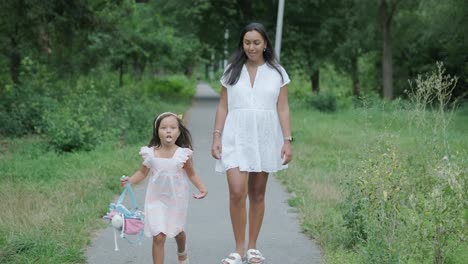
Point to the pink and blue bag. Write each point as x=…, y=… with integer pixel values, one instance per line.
x=125, y=221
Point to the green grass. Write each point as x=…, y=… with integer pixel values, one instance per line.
x=328, y=150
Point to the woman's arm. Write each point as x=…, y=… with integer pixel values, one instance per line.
x=196, y=181
x=221, y=113
x=285, y=122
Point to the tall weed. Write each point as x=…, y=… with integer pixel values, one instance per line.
x=407, y=206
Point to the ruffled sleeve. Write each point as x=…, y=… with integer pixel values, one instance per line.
x=182, y=156
x=145, y=153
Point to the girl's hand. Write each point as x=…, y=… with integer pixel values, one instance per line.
x=286, y=153
x=123, y=181
x=201, y=194
x=216, y=148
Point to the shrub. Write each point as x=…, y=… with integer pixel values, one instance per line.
x=410, y=207
x=171, y=88
x=324, y=102
x=82, y=121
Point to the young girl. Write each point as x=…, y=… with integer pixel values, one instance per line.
x=167, y=160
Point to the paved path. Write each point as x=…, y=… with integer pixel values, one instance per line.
x=209, y=231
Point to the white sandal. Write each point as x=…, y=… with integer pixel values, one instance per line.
x=233, y=258
x=183, y=254
x=255, y=256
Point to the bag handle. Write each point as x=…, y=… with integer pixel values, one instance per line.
x=128, y=188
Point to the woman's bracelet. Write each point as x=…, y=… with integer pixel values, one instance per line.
x=217, y=132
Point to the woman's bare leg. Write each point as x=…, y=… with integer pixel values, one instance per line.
x=238, y=182
x=257, y=187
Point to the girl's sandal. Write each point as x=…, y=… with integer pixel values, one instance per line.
x=183, y=254
x=233, y=258
x=254, y=257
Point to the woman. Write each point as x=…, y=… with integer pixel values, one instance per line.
x=252, y=134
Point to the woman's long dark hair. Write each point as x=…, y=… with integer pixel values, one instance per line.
x=239, y=57
x=183, y=141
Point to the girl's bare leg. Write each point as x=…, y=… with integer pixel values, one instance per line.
x=158, y=248
x=181, y=240
x=257, y=187
x=237, y=182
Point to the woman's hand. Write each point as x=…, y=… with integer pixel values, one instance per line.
x=286, y=152
x=216, y=147
x=202, y=193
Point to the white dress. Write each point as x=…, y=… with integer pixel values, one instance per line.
x=252, y=138
x=167, y=194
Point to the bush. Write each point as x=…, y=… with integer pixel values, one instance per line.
x=82, y=121
x=171, y=88
x=324, y=102
x=409, y=207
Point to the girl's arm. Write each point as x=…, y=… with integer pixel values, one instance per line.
x=283, y=114
x=221, y=113
x=196, y=181
x=137, y=176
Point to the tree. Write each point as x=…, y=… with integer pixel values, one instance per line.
x=310, y=35
x=387, y=13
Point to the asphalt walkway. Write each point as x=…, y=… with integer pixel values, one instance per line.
x=209, y=232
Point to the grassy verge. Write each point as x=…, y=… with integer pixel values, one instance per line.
x=329, y=151
x=50, y=202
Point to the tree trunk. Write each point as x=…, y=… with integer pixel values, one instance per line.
x=355, y=76
x=15, y=60
x=121, y=72
x=387, y=63
x=246, y=10
x=188, y=71
x=315, y=81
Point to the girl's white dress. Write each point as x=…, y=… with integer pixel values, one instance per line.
x=252, y=138
x=167, y=194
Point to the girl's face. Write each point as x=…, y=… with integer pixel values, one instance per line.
x=168, y=130
x=254, y=44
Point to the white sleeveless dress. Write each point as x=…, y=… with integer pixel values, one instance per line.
x=252, y=138
x=167, y=194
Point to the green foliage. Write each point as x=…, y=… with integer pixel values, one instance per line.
x=325, y=102
x=81, y=113
x=172, y=88
x=366, y=180
x=405, y=209
x=22, y=105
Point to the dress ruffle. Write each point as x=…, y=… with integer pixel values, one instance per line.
x=182, y=155
x=146, y=153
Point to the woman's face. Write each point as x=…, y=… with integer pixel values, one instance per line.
x=254, y=44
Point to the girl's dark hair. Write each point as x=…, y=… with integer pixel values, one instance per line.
x=184, y=140
x=239, y=58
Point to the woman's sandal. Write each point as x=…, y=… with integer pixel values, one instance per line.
x=183, y=254
x=254, y=257
x=233, y=258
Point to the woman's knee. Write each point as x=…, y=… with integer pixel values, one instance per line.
x=237, y=195
x=256, y=196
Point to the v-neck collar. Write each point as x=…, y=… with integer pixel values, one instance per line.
x=252, y=85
